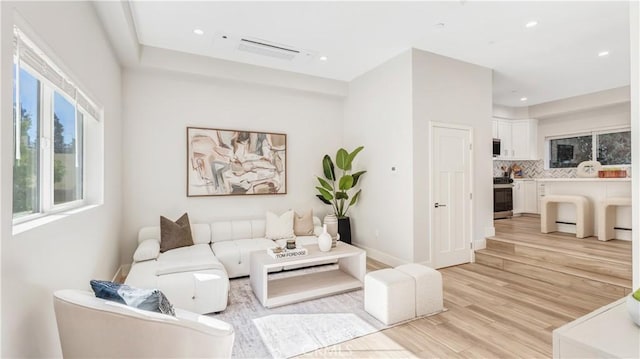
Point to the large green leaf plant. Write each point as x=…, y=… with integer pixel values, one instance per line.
x=336, y=191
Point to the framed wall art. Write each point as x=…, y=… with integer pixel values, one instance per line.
x=233, y=162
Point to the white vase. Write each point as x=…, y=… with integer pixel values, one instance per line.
x=331, y=221
x=324, y=240
x=633, y=305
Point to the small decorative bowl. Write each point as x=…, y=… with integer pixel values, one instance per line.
x=633, y=305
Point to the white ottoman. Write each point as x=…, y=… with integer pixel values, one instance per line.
x=428, y=282
x=389, y=295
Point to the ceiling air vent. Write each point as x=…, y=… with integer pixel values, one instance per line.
x=227, y=43
x=261, y=47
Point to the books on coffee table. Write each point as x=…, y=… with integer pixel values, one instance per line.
x=281, y=253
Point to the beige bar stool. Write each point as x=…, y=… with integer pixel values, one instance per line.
x=607, y=216
x=549, y=214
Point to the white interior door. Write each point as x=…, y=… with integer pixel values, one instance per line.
x=451, y=195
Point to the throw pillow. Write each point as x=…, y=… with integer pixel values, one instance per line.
x=303, y=224
x=147, y=299
x=148, y=249
x=278, y=227
x=175, y=234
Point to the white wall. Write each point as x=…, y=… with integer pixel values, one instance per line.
x=634, y=44
x=378, y=116
x=71, y=251
x=580, y=103
x=512, y=113
x=451, y=91
x=159, y=105
x=601, y=118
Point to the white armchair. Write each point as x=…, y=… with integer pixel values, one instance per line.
x=91, y=327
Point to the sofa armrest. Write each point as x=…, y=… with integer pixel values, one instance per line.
x=147, y=250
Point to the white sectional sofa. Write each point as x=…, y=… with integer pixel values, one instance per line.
x=196, y=278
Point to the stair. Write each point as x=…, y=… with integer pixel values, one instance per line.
x=585, y=265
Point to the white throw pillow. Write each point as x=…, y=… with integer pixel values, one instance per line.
x=278, y=227
x=148, y=249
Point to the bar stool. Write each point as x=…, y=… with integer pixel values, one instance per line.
x=549, y=214
x=607, y=216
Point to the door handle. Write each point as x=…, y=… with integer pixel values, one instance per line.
x=439, y=205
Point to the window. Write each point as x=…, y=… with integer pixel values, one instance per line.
x=570, y=151
x=51, y=116
x=614, y=148
x=609, y=148
x=26, y=165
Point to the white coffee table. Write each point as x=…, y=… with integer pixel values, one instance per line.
x=352, y=266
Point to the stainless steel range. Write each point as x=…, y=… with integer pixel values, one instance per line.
x=502, y=197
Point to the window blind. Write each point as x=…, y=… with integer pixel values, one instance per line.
x=29, y=54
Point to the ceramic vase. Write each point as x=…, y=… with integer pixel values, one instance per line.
x=633, y=305
x=331, y=221
x=324, y=240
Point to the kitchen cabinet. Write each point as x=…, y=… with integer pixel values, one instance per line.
x=530, y=197
x=525, y=196
x=518, y=138
x=518, y=196
x=494, y=128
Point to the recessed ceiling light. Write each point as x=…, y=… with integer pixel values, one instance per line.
x=531, y=24
x=603, y=53
x=323, y=58
x=523, y=99
x=198, y=32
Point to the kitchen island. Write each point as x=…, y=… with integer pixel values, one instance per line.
x=596, y=190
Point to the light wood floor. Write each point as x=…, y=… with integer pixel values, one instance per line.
x=491, y=313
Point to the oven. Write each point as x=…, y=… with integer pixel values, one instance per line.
x=502, y=197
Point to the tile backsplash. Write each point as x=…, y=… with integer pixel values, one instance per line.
x=534, y=169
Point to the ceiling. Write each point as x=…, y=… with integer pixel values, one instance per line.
x=556, y=59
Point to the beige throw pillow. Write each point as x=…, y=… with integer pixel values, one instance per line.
x=303, y=224
x=279, y=227
x=175, y=234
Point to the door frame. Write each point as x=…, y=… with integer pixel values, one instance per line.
x=469, y=129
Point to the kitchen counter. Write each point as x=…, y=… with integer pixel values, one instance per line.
x=596, y=179
x=596, y=190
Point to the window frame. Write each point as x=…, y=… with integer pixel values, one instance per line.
x=594, y=145
x=46, y=186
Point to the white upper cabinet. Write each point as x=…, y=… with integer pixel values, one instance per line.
x=518, y=138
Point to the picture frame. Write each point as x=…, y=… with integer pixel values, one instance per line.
x=223, y=162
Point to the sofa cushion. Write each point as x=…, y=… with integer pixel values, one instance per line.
x=279, y=226
x=187, y=259
x=200, y=233
x=175, y=234
x=238, y=229
x=235, y=254
x=303, y=223
x=148, y=249
x=148, y=299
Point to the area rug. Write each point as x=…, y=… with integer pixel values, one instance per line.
x=294, y=329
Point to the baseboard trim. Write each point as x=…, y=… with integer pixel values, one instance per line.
x=121, y=273
x=382, y=256
x=489, y=231
x=480, y=244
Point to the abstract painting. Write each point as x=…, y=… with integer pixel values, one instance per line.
x=232, y=162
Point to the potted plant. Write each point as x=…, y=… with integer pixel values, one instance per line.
x=336, y=191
